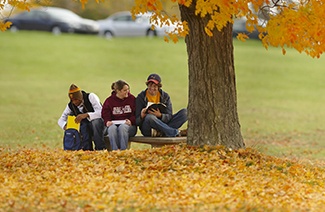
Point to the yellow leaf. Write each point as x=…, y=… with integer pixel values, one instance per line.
x=242, y=37
x=4, y=26
x=209, y=33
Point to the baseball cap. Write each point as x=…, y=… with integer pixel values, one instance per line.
x=155, y=78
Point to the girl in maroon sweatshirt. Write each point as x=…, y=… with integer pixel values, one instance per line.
x=119, y=115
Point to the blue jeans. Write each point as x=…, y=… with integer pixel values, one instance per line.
x=119, y=135
x=93, y=130
x=169, y=129
x=98, y=133
x=85, y=131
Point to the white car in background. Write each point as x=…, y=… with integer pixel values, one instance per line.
x=121, y=24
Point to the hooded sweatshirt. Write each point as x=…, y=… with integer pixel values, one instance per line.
x=115, y=108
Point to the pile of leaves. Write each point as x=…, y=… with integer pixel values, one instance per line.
x=171, y=178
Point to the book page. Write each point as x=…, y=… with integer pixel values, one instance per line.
x=118, y=122
x=71, y=124
x=149, y=103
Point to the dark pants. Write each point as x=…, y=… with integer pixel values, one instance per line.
x=92, y=131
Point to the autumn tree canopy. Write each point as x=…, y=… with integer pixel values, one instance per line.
x=285, y=23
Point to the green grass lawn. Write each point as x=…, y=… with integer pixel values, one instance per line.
x=280, y=98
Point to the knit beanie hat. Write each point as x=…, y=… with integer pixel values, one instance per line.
x=75, y=92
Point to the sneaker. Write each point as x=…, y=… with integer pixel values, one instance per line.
x=155, y=133
x=182, y=132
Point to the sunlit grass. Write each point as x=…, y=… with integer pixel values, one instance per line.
x=280, y=100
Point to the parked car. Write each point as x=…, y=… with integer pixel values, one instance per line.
x=121, y=24
x=239, y=26
x=52, y=19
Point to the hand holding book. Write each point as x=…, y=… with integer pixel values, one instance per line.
x=155, y=106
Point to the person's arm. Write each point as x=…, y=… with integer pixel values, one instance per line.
x=140, y=104
x=62, y=122
x=133, y=108
x=106, y=112
x=95, y=102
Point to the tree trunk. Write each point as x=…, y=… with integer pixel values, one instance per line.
x=212, y=108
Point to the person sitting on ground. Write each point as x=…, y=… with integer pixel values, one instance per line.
x=87, y=109
x=119, y=115
x=154, y=122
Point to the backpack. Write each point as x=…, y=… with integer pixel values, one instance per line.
x=72, y=140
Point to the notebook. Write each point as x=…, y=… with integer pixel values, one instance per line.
x=71, y=124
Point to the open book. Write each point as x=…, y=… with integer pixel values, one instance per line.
x=117, y=122
x=71, y=124
x=162, y=107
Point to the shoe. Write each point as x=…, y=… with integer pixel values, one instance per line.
x=155, y=133
x=182, y=132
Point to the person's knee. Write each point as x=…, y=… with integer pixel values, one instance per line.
x=97, y=123
x=98, y=126
x=183, y=112
x=111, y=129
x=150, y=118
x=124, y=128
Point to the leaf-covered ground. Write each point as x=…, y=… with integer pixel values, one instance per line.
x=172, y=178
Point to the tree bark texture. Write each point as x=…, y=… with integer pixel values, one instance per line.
x=212, y=108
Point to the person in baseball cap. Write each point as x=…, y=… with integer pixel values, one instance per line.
x=155, y=78
x=155, y=122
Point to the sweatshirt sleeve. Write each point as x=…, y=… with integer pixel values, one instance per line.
x=132, y=118
x=106, y=112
